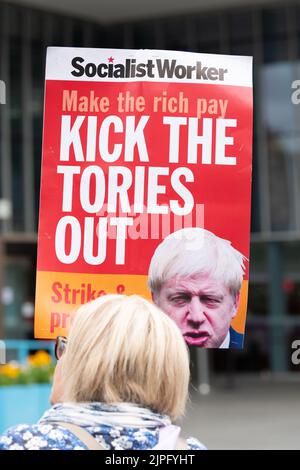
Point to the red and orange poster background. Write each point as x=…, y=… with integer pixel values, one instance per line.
x=223, y=190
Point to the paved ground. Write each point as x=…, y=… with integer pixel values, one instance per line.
x=252, y=413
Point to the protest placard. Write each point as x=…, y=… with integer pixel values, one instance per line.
x=138, y=147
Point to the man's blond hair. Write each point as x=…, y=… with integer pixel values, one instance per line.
x=193, y=251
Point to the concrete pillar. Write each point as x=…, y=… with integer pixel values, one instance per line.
x=202, y=361
x=277, y=308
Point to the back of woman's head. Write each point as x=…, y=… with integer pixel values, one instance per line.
x=124, y=349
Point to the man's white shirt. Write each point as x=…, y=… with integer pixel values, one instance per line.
x=225, y=344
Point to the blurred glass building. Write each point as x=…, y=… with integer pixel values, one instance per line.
x=270, y=31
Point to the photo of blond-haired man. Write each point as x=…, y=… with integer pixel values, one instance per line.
x=195, y=277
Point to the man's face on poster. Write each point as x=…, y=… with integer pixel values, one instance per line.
x=201, y=306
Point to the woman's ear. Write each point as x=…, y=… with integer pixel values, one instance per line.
x=57, y=385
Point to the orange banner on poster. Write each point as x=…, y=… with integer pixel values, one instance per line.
x=65, y=292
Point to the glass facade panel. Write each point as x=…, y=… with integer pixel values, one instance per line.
x=208, y=34
x=176, y=36
x=255, y=206
x=240, y=26
x=258, y=299
x=16, y=287
x=291, y=257
x=56, y=30
x=241, y=48
x=144, y=35
x=280, y=159
x=278, y=109
x=274, y=22
x=292, y=290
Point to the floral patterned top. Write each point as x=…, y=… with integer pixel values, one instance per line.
x=47, y=435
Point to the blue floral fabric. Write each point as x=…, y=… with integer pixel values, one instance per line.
x=51, y=436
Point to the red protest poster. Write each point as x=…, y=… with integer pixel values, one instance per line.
x=146, y=185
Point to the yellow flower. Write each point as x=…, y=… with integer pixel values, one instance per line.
x=39, y=359
x=10, y=370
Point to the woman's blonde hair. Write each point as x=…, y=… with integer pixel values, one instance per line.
x=124, y=349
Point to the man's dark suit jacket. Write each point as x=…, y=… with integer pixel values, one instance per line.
x=236, y=339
